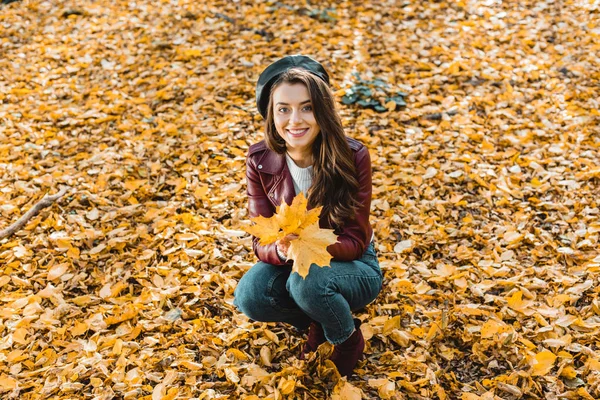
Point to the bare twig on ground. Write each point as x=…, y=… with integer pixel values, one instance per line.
x=46, y=201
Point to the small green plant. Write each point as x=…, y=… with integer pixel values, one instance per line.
x=374, y=94
x=324, y=15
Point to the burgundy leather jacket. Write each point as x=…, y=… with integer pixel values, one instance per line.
x=270, y=182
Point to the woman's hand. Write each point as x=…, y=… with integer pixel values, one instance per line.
x=283, y=245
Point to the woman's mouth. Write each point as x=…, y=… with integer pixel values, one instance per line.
x=297, y=132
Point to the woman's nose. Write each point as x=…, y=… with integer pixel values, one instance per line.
x=296, y=117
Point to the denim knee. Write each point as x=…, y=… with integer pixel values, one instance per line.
x=245, y=301
x=261, y=294
x=307, y=293
x=249, y=293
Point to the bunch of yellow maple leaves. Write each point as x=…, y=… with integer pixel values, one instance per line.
x=310, y=245
x=485, y=202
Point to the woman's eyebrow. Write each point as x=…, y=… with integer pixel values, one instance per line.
x=286, y=104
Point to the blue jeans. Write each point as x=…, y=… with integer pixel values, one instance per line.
x=271, y=293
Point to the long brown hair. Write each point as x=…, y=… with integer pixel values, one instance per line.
x=334, y=185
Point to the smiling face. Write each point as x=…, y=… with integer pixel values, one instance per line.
x=295, y=120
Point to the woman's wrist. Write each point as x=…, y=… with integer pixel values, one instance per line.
x=282, y=256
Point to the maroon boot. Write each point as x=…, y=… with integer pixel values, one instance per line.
x=346, y=355
x=315, y=338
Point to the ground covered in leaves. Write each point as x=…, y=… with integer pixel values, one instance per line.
x=485, y=197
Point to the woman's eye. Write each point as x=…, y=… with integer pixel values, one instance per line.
x=286, y=109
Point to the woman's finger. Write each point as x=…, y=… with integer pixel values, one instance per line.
x=288, y=238
x=282, y=245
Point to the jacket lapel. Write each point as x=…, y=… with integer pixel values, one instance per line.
x=283, y=185
x=287, y=187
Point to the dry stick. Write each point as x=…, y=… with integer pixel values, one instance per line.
x=43, y=203
x=515, y=391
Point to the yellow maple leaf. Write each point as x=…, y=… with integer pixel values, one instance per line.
x=7, y=383
x=293, y=218
x=128, y=312
x=543, y=363
x=516, y=301
x=311, y=248
x=287, y=386
x=569, y=372
x=311, y=245
x=287, y=219
x=268, y=230
x=344, y=390
x=491, y=328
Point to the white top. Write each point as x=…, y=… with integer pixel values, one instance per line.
x=302, y=177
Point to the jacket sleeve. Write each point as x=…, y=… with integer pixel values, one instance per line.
x=356, y=234
x=259, y=204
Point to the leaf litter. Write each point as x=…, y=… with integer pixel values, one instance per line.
x=485, y=198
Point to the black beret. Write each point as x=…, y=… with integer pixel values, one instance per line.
x=273, y=71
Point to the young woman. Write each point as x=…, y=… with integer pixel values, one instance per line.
x=306, y=150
